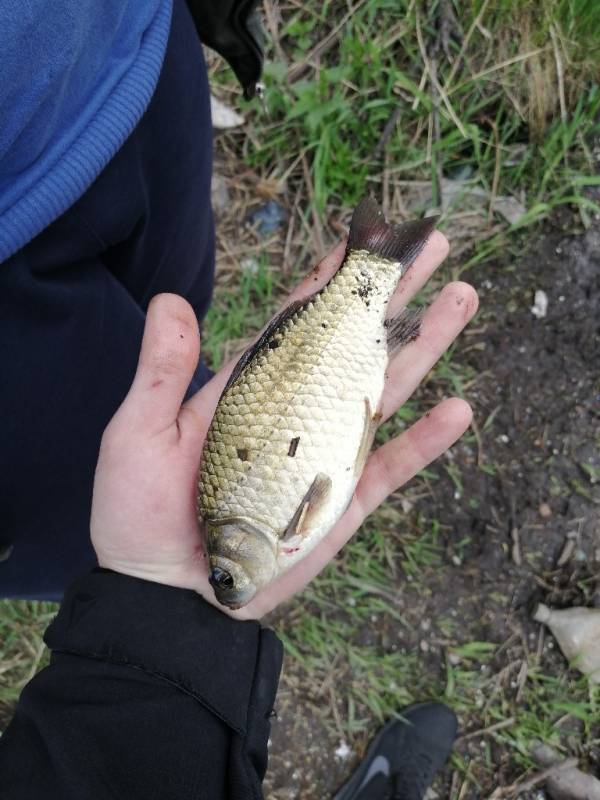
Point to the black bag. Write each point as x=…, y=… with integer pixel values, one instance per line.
x=232, y=28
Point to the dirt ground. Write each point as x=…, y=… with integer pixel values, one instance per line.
x=530, y=488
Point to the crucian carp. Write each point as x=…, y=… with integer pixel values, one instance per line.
x=295, y=423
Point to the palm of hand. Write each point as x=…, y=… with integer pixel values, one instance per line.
x=143, y=515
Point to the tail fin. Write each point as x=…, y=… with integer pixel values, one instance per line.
x=402, y=243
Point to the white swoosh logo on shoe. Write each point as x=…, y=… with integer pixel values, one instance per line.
x=379, y=764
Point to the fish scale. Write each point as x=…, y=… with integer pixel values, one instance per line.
x=299, y=408
x=335, y=369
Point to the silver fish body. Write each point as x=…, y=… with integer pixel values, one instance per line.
x=295, y=424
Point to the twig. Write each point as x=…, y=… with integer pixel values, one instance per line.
x=497, y=166
x=385, y=200
x=388, y=130
x=516, y=546
x=438, y=199
x=288, y=244
x=465, y=43
x=489, y=70
x=317, y=228
x=422, y=83
x=560, y=75
x=506, y=723
x=568, y=549
x=539, y=777
x=335, y=712
x=434, y=80
x=479, y=440
x=271, y=20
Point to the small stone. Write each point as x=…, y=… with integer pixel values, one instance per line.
x=250, y=265
x=539, y=309
x=545, y=510
x=224, y=117
x=343, y=751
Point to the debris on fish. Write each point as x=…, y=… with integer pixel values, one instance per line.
x=577, y=631
x=297, y=418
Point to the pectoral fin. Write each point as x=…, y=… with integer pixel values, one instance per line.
x=309, y=507
x=403, y=328
x=371, y=422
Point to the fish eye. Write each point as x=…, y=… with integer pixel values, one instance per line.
x=221, y=578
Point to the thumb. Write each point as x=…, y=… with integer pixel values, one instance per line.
x=168, y=359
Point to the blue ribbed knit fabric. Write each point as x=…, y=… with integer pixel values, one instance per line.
x=77, y=76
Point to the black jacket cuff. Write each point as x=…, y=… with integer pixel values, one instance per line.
x=229, y=666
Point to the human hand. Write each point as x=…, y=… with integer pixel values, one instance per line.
x=143, y=514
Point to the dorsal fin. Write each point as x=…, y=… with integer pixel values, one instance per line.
x=276, y=323
x=401, y=243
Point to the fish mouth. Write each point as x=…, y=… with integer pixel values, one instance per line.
x=241, y=560
x=233, y=602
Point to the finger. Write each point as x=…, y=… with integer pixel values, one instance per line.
x=444, y=320
x=397, y=461
x=319, y=275
x=168, y=358
x=387, y=469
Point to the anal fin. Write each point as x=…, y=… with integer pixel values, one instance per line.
x=403, y=328
x=310, y=505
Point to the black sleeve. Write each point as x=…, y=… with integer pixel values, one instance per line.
x=150, y=693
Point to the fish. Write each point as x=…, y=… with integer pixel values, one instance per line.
x=295, y=423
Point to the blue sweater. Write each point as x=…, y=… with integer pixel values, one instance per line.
x=75, y=78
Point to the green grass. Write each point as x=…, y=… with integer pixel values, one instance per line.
x=22, y=651
x=238, y=310
x=501, y=125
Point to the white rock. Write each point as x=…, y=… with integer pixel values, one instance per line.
x=343, y=751
x=224, y=117
x=539, y=308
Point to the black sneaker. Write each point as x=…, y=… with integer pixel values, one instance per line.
x=405, y=756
